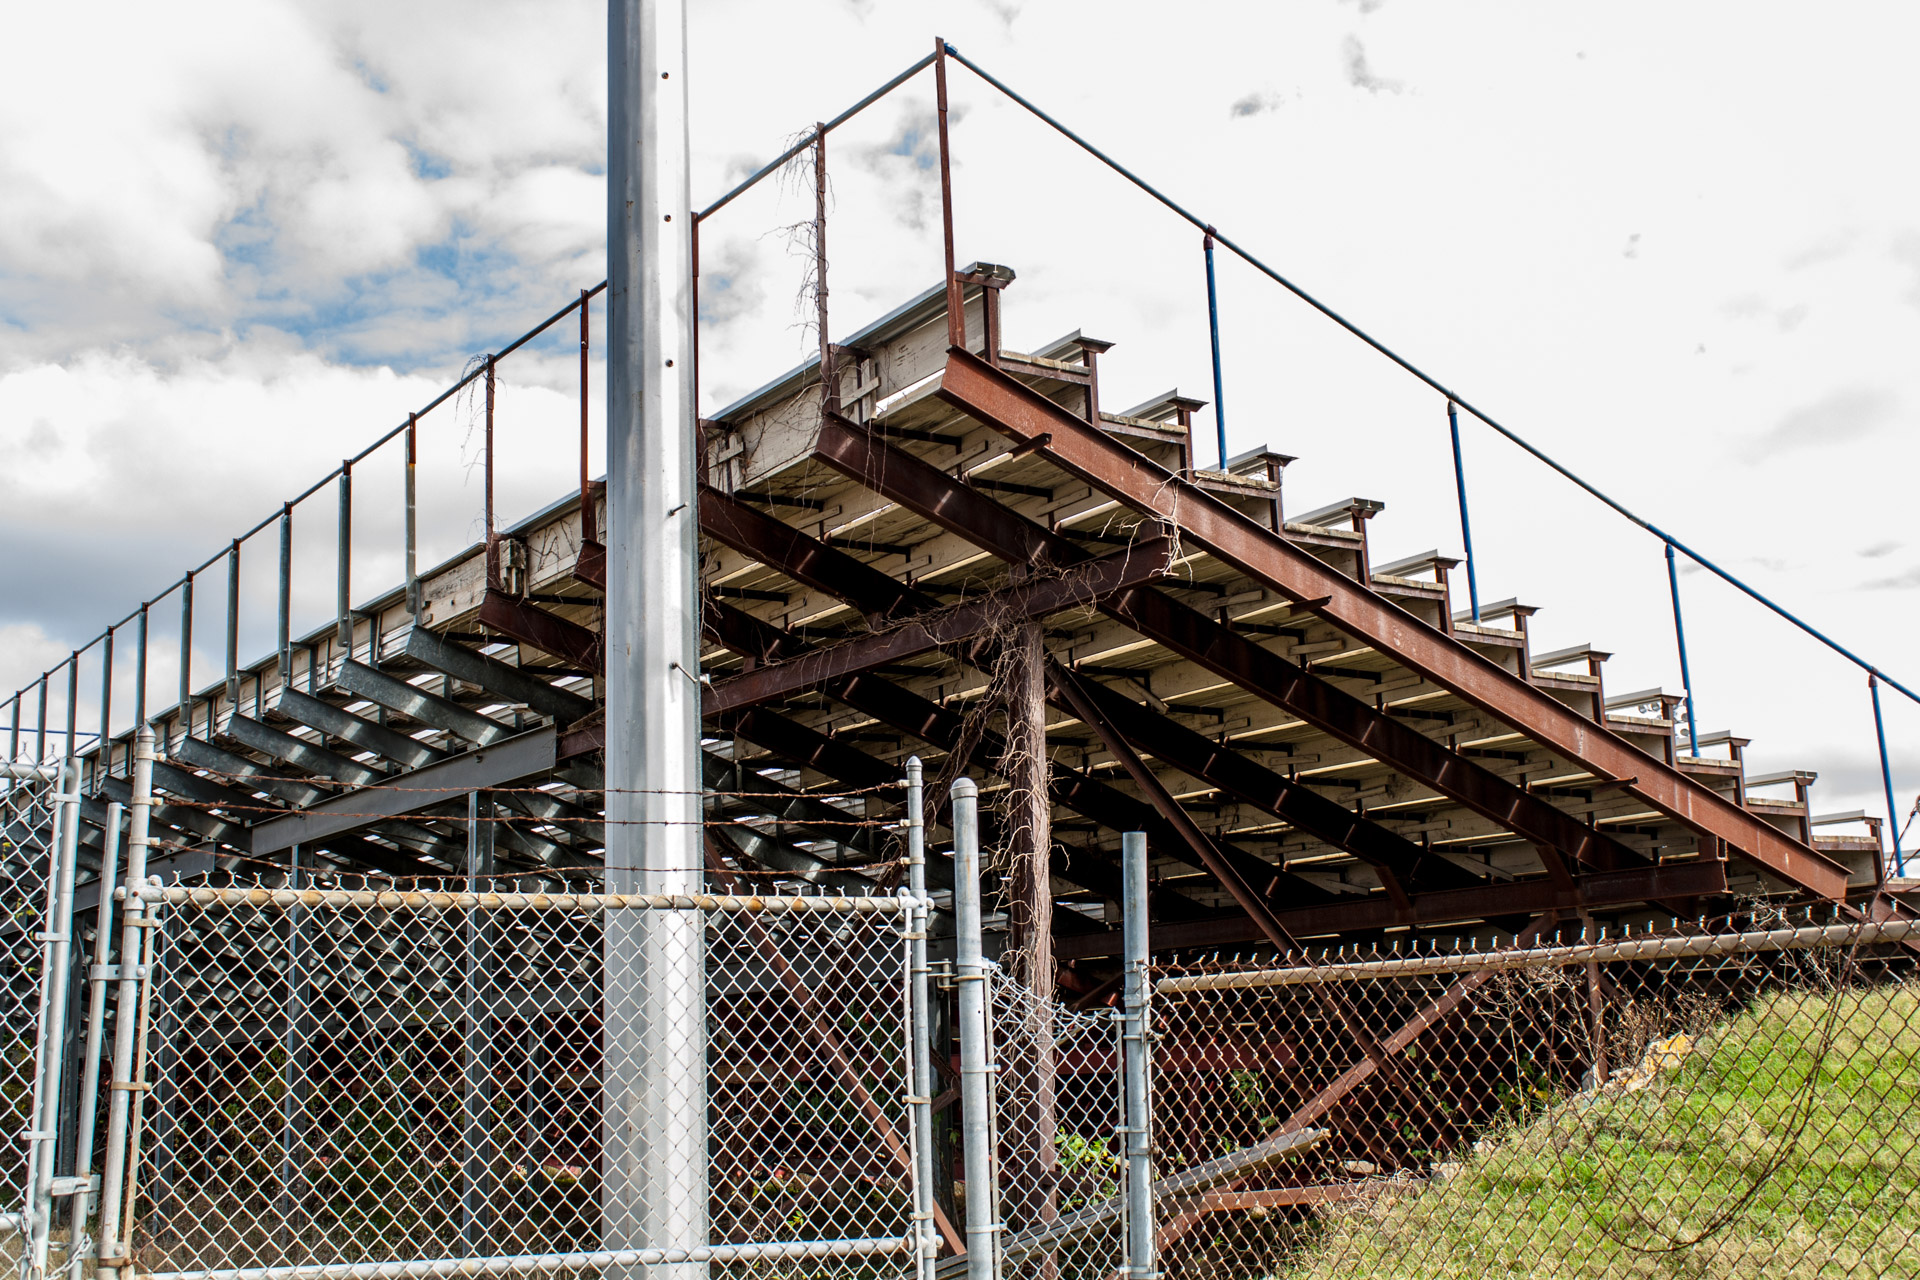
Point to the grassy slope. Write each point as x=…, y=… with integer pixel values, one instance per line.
x=1558, y=1197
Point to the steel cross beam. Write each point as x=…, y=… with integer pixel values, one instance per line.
x=1594, y=891
x=782, y=548
x=875, y=593
x=1404, y=867
x=919, y=486
x=963, y=624
x=1005, y=405
x=922, y=718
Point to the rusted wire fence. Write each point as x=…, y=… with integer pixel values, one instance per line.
x=1682, y=1105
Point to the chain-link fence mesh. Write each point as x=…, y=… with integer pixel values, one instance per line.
x=28, y=813
x=357, y=1077
x=1739, y=1111
x=1057, y=1105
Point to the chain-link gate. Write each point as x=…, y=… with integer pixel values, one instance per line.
x=368, y=1084
x=1059, y=1119
x=39, y=825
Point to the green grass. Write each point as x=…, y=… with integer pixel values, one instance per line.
x=1603, y=1185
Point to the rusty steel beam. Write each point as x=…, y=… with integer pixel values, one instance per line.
x=1404, y=866
x=1004, y=404
x=533, y=626
x=777, y=544
x=1594, y=891
x=901, y=708
x=806, y=747
x=961, y=625
x=947, y=501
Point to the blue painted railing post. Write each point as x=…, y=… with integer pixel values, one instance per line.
x=1466, y=526
x=1680, y=637
x=1213, y=326
x=1886, y=775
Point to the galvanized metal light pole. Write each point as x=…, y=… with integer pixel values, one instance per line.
x=655, y=1189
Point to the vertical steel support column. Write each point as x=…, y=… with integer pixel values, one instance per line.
x=87, y=1114
x=283, y=636
x=1886, y=775
x=140, y=672
x=829, y=385
x=40, y=734
x=493, y=537
x=343, y=585
x=233, y=627
x=654, y=1190
x=73, y=703
x=134, y=926
x=1213, y=329
x=925, y=1234
x=1680, y=638
x=186, y=656
x=13, y=736
x=1466, y=525
x=106, y=704
x=976, y=1053
x=412, y=530
x=589, y=530
x=56, y=946
x=476, y=1126
x=1134, y=1042
x=956, y=299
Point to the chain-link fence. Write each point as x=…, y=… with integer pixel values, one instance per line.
x=29, y=811
x=346, y=1079
x=1732, y=1105
x=1058, y=1117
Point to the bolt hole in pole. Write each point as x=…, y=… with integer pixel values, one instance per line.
x=1466, y=525
x=1680, y=640
x=1213, y=330
x=1886, y=775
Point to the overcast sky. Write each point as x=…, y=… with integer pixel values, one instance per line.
x=1676, y=246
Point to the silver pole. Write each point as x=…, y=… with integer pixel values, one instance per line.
x=976, y=1066
x=926, y=1235
x=96, y=1026
x=1133, y=1051
x=655, y=1189
x=56, y=948
x=113, y=1249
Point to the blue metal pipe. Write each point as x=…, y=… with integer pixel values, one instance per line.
x=1680, y=635
x=1213, y=327
x=1466, y=527
x=1886, y=776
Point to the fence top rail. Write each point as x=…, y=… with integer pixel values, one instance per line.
x=416, y=900
x=1666, y=947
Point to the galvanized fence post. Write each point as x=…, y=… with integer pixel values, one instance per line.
x=976, y=1053
x=115, y=1175
x=56, y=945
x=1137, y=1115
x=926, y=1237
x=87, y=1114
